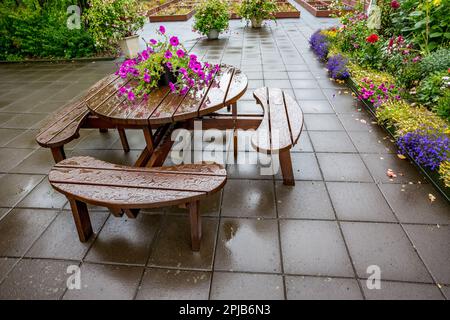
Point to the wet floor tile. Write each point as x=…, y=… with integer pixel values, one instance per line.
x=248, y=245
x=307, y=200
x=411, y=203
x=386, y=246
x=371, y=142
x=166, y=284
x=43, y=196
x=304, y=166
x=331, y=141
x=303, y=143
x=36, y=280
x=432, y=243
x=360, y=202
x=314, y=248
x=39, y=162
x=241, y=286
x=248, y=198
x=27, y=139
x=343, y=167
x=358, y=121
x=172, y=248
x=322, y=122
x=10, y=158
x=402, y=291
x=18, y=186
x=6, y=135
x=20, y=228
x=124, y=240
x=318, y=288
x=6, y=264
x=60, y=240
x=106, y=282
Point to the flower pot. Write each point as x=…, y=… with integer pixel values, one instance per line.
x=130, y=46
x=213, y=34
x=256, y=23
x=166, y=77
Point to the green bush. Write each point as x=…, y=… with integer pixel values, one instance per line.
x=257, y=9
x=31, y=30
x=443, y=106
x=109, y=21
x=432, y=88
x=436, y=61
x=211, y=14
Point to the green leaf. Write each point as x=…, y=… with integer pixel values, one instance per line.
x=415, y=13
x=435, y=34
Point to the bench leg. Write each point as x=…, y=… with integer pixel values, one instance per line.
x=103, y=130
x=286, y=167
x=196, y=225
x=81, y=217
x=58, y=154
x=123, y=139
x=235, y=132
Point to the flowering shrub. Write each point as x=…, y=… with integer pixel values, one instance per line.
x=337, y=67
x=444, y=172
x=211, y=15
x=163, y=56
x=319, y=44
x=405, y=118
x=257, y=9
x=427, y=149
x=377, y=93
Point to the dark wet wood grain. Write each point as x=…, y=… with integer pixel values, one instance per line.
x=163, y=107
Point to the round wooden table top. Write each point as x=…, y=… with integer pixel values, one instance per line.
x=162, y=106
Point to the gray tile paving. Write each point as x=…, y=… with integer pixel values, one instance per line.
x=261, y=239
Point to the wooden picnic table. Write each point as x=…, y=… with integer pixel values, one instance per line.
x=157, y=114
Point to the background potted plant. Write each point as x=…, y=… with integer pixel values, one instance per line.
x=257, y=11
x=212, y=18
x=116, y=22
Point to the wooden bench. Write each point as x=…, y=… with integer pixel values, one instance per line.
x=63, y=126
x=125, y=190
x=280, y=128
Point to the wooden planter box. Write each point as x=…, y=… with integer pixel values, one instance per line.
x=311, y=7
x=432, y=176
x=158, y=8
x=177, y=17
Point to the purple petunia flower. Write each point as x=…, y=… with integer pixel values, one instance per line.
x=153, y=41
x=162, y=29
x=147, y=77
x=122, y=91
x=172, y=87
x=131, y=95
x=174, y=41
x=184, y=90
x=183, y=71
x=168, y=54
x=193, y=57
x=180, y=53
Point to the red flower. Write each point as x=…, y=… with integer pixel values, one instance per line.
x=372, y=38
x=395, y=4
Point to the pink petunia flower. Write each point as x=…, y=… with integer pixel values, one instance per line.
x=168, y=54
x=172, y=87
x=180, y=53
x=162, y=29
x=153, y=41
x=147, y=78
x=131, y=95
x=174, y=41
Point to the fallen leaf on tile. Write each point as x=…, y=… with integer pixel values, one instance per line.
x=431, y=197
x=391, y=174
x=363, y=121
x=400, y=156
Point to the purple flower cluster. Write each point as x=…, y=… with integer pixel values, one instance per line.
x=319, y=45
x=377, y=94
x=427, y=149
x=337, y=67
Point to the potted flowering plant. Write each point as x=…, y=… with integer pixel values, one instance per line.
x=257, y=11
x=211, y=18
x=165, y=62
x=116, y=22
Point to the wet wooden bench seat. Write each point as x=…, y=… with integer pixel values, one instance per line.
x=280, y=128
x=63, y=126
x=125, y=190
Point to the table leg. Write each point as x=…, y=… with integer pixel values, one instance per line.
x=235, y=133
x=148, y=151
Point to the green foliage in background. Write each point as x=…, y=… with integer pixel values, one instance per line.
x=39, y=29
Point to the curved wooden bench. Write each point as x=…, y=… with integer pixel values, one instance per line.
x=125, y=190
x=63, y=126
x=280, y=128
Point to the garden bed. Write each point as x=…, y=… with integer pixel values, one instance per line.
x=153, y=6
x=432, y=176
x=319, y=8
x=285, y=11
x=174, y=10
